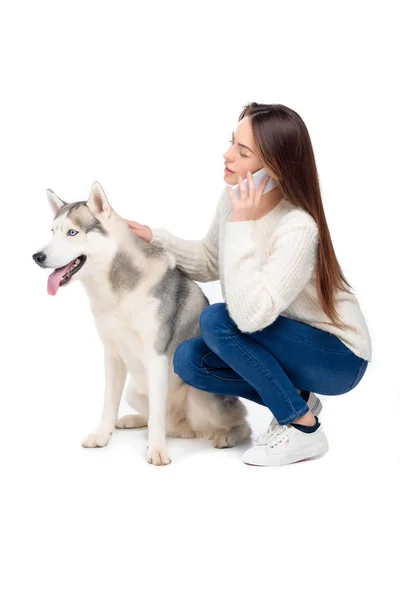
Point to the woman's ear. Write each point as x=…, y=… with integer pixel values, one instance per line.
x=55, y=202
x=98, y=203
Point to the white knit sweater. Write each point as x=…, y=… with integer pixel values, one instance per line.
x=266, y=268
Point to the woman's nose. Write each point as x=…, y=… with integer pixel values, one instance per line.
x=226, y=156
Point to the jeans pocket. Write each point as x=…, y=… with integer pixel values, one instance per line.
x=360, y=372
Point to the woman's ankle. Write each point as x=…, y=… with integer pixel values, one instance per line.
x=307, y=419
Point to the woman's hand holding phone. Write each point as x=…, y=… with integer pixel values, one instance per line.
x=141, y=231
x=247, y=208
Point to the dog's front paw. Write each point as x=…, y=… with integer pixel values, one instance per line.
x=96, y=440
x=158, y=456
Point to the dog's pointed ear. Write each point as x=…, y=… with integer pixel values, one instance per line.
x=55, y=202
x=98, y=203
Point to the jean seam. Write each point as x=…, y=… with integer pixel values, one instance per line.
x=299, y=414
x=266, y=372
x=213, y=374
x=298, y=337
x=358, y=374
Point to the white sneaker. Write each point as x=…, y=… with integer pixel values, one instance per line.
x=314, y=404
x=286, y=445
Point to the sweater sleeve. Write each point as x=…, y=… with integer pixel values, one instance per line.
x=257, y=293
x=198, y=259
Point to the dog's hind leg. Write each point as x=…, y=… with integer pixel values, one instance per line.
x=233, y=426
x=131, y=422
x=218, y=417
x=227, y=439
x=182, y=430
x=136, y=397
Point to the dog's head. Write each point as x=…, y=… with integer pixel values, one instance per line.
x=82, y=237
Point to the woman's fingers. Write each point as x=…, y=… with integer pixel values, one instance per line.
x=261, y=189
x=135, y=225
x=142, y=231
x=252, y=188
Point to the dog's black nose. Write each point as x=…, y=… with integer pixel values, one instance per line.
x=39, y=258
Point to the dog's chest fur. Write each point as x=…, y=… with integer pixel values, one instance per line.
x=147, y=323
x=129, y=329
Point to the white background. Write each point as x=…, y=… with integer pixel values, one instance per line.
x=143, y=98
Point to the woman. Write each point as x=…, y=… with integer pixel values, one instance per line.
x=289, y=326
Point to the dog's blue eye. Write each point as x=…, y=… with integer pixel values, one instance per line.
x=72, y=232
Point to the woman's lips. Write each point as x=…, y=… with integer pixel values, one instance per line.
x=228, y=170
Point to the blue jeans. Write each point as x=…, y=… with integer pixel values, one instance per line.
x=267, y=366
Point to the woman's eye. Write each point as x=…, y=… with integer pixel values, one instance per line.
x=72, y=232
x=244, y=155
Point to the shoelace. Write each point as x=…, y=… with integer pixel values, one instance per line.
x=274, y=425
x=278, y=435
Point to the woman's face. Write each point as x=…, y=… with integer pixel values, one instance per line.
x=241, y=156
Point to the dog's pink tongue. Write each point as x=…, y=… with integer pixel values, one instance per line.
x=53, y=282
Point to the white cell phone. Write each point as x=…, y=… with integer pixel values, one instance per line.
x=257, y=176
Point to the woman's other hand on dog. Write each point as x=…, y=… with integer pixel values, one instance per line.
x=141, y=231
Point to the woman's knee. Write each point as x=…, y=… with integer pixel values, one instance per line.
x=212, y=317
x=179, y=358
x=185, y=359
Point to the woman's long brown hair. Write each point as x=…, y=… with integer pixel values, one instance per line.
x=283, y=143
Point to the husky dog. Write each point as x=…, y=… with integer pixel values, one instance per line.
x=143, y=307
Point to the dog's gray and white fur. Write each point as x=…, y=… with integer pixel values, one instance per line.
x=143, y=307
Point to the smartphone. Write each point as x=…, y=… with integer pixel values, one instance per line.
x=257, y=176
